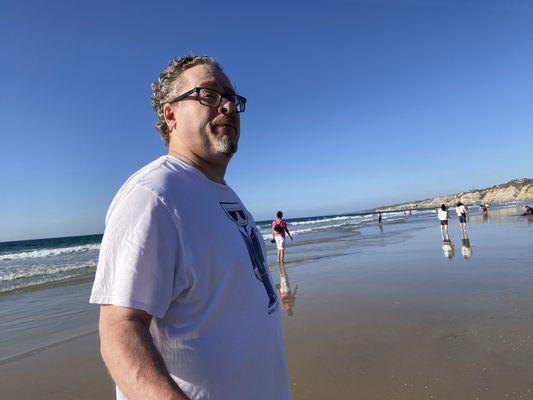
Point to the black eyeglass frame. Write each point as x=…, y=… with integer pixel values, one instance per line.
x=234, y=98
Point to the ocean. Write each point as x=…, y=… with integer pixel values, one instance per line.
x=38, y=264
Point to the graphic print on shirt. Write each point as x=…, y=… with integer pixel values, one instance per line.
x=250, y=235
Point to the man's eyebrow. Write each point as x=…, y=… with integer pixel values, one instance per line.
x=214, y=85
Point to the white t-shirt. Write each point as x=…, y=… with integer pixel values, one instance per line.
x=185, y=250
x=442, y=214
x=460, y=210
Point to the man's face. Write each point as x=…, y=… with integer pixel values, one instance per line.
x=209, y=132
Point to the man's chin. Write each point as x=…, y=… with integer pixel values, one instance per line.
x=226, y=146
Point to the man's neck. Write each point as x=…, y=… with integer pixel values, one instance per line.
x=213, y=171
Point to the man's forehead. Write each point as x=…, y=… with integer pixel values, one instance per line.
x=205, y=75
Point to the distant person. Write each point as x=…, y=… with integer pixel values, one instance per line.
x=379, y=218
x=461, y=212
x=484, y=208
x=442, y=215
x=279, y=230
x=528, y=210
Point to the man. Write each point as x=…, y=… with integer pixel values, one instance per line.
x=188, y=310
x=279, y=230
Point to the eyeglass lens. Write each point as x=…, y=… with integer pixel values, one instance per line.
x=212, y=98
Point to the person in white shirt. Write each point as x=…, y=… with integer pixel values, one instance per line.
x=461, y=212
x=442, y=215
x=188, y=308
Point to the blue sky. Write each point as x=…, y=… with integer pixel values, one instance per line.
x=351, y=105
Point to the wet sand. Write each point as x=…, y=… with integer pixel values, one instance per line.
x=67, y=371
x=376, y=314
x=400, y=321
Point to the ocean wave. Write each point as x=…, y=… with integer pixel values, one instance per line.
x=324, y=220
x=295, y=232
x=22, y=273
x=347, y=218
x=42, y=253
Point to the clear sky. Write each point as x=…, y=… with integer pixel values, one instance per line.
x=351, y=105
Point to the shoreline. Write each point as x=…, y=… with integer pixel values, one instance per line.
x=49, y=285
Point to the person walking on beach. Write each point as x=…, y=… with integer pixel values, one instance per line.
x=442, y=214
x=460, y=210
x=179, y=254
x=379, y=217
x=279, y=230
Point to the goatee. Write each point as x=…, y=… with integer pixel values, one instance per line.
x=225, y=145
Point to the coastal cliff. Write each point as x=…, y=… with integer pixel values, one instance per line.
x=515, y=190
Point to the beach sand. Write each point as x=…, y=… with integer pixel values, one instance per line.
x=70, y=370
x=376, y=314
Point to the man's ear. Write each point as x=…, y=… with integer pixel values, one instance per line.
x=170, y=117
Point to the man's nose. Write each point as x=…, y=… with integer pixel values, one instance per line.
x=226, y=106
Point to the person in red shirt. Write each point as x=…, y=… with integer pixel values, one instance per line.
x=279, y=229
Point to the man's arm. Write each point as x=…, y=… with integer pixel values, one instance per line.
x=131, y=357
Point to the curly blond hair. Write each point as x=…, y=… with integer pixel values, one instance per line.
x=166, y=86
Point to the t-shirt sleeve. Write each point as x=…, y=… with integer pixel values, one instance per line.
x=137, y=262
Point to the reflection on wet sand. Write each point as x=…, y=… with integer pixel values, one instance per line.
x=447, y=249
x=466, y=248
x=286, y=294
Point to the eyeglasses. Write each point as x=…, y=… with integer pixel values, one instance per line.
x=212, y=98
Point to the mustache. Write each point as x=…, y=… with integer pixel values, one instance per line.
x=225, y=121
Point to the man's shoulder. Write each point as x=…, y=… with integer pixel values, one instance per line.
x=158, y=176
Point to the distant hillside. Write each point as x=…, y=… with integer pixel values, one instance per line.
x=515, y=190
